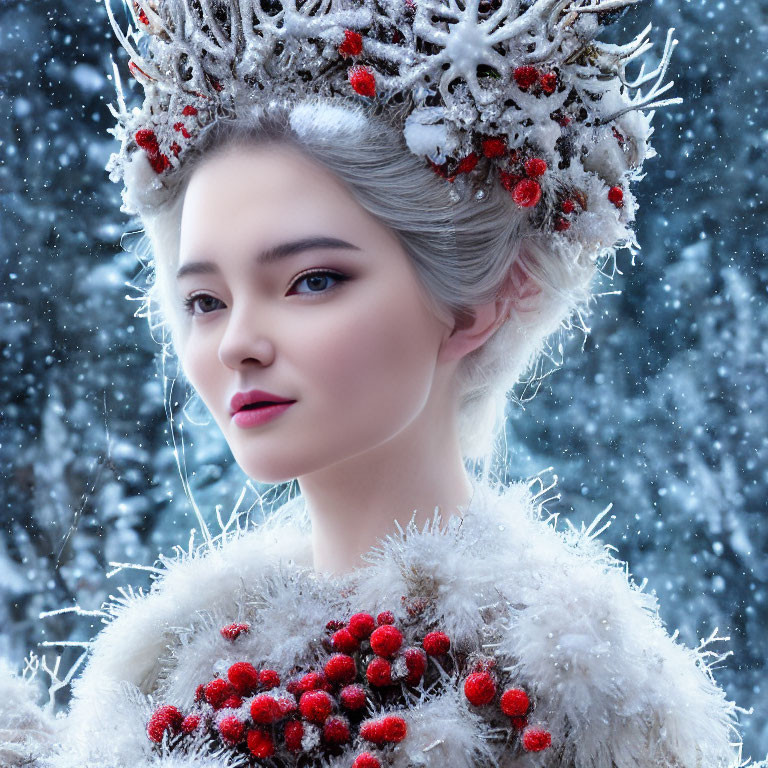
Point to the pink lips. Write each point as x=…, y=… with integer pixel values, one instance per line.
x=251, y=417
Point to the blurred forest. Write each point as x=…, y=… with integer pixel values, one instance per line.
x=662, y=414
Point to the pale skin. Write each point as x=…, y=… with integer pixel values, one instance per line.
x=371, y=362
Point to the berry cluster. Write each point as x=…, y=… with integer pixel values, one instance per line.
x=318, y=712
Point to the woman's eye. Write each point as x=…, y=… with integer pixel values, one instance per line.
x=202, y=300
x=317, y=281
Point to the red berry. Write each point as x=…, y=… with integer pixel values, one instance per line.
x=467, y=164
x=536, y=739
x=265, y=709
x=386, y=640
x=159, y=163
x=260, y=743
x=294, y=733
x=366, y=760
x=526, y=193
x=549, y=82
x=188, y=111
x=394, y=728
x=562, y=224
x=344, y=641
x=312, y=681
x=436, y=643
x=287, y=705
x=479, y=688
x=164, y=718
x=176, y=148
x=315, y=706
x=568, y=206
x=233, y=631
x=514, y=702
x=379, y=672
x=361, y=625
x=616, y=196
x=352, y=45
x=518, y=722
x=334, y=624
x=217, y=692
x=352, y=697
x=336, y=730
x=385, y=617
x=244, y=677
x=232, y=702
x=190, y=723
x=181, y=127
x=362, y=80
x=200, y=692
x=269, y=678
x=526, y=76
x=494, y=147
x=232, y=730
x=388, y=729
x=146, y=139
x=535, y=166
x=340, y=668
x=416, y=664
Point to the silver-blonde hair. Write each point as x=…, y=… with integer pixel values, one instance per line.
x=463, y=250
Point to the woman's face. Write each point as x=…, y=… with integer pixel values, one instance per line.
x=356, y=345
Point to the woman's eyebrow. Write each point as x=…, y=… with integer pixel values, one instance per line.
x=270, y=255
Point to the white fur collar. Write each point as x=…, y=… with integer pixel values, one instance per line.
x=614, y=689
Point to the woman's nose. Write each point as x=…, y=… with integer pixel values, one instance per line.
x=243, y=342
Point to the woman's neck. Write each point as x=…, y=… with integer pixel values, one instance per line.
x=354, y=504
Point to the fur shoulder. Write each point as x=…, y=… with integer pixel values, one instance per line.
x=615, y=689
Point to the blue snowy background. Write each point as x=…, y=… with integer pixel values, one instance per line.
x=663, y=414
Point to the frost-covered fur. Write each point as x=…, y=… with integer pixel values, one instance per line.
x=559, y=612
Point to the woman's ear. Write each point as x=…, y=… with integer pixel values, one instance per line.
x=473, y=328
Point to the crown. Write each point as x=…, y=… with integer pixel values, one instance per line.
x=512, y=92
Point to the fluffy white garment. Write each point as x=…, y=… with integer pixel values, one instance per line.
x=558, y=612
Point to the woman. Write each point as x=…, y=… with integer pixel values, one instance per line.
x=447, y=213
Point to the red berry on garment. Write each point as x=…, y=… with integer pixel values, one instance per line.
x=334, y=624
x=233, y=631
x=232, y=730
x=526, y=193
x=232, y=702
x=344, y=641
x=340, y=668
x=352, y=45
x=467, y=164
x=287, y=705
x=536, y=739
x=260, y=743
x=265, y=709
x=366, y=760
x=535, y=166
x=494, y=147
x=562, y=224
x=548, y=82
x=379, y=672
x=218, y=691
x=568, y=206
x=416, y=664
x=361, y=625
x=315, y=706
x=436, y=643
x=159, y=163
x=362, y=80
x=189, y=111
x=164, y=718
x=244, y=677
x=190, y=723
x=200, y=693
x=336, y=730
x=616, y=196
x=269, y=679
x=514, y=702
x=526, y=76
x=147, y=140
x=294, y=733
x=394, y=729
x=385, y=617
x=479, y=688
x=509, y=180
x=352, y=697
x=312, y=681
x=386, y=640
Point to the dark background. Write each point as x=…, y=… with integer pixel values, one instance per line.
x=663, y=414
